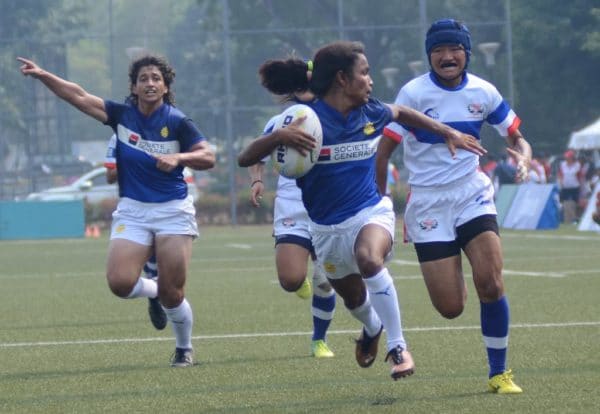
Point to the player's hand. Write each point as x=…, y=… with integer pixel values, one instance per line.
x=522, y=162
x=167, y=162
x=456, y=139
x=29, y=68
x=256, y=193
x=294, y=136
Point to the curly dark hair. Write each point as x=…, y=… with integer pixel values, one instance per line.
x=167, y=71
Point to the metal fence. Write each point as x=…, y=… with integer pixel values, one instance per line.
x=216, y=47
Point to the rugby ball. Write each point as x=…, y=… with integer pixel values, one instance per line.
x=287, y=160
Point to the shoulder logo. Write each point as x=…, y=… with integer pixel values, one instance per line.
x=369, y=128
x=164, y=132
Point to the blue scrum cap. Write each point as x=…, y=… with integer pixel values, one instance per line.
x=448, y=32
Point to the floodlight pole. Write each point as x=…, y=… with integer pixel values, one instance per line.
x=231, y=156
x=509, y=58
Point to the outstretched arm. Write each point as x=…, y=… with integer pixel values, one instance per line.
x=454, y=139
x=70, y=92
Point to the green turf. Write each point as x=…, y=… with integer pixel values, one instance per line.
x=68, y=345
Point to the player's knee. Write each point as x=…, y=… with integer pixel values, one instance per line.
x=170, y=296
x=369, y=265
x=490, y=289
x=120, y=288
x=450, y=309
x=291, y=283
x=450, y=312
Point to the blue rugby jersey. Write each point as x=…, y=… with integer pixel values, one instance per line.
x=166, y=131
x=343, y=181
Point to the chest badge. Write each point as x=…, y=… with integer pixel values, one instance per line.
x=369, y=128
x=164, y=132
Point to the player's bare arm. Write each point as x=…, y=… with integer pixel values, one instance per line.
x=454, y=139
x=69, y=91
x=384, y=151
x=257, y=186
x=291, y=135
x=520, y=150
x=199, y=157
x=111, y=175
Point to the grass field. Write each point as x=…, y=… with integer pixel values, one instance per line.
x=68, y=345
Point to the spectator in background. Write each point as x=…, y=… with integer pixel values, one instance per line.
x=537, y=172
x=505, y=172
x=569, y=182
x=488, y=165
x=586, y=175
x=546, y=163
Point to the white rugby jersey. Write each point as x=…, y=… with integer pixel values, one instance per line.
x=286, y=187
x=464, y=108
x=110, y=160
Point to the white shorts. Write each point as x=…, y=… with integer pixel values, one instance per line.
x=290, y=217
x=334, y=245
x=433, y=213
x=140, y=222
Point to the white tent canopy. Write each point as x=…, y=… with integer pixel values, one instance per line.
x=587, y=138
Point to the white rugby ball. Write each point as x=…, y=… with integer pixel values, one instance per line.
x=287, y=160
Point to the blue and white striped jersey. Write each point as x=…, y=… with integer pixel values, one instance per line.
x=464, y=108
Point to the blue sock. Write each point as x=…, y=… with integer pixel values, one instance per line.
x=322, y=311
x=494, y=327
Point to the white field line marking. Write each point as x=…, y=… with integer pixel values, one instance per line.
x=239, y=246
x=283, y=334
x=504, y=271
x=543, y=236
x=533, y=274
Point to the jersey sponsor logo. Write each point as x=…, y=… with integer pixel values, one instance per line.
x=432, y=113
x=428, y=224
x=476, y=110
x=369, y=129
x=134, y=140
x=164, y=132
x=325, y=154
x=351, y=151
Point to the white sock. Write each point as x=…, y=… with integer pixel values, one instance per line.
x=367, y=315
x=181, y=319
x=144, y=288
x=385, y=301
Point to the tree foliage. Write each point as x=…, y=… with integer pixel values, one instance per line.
x=557, y=56
x=556, y=53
